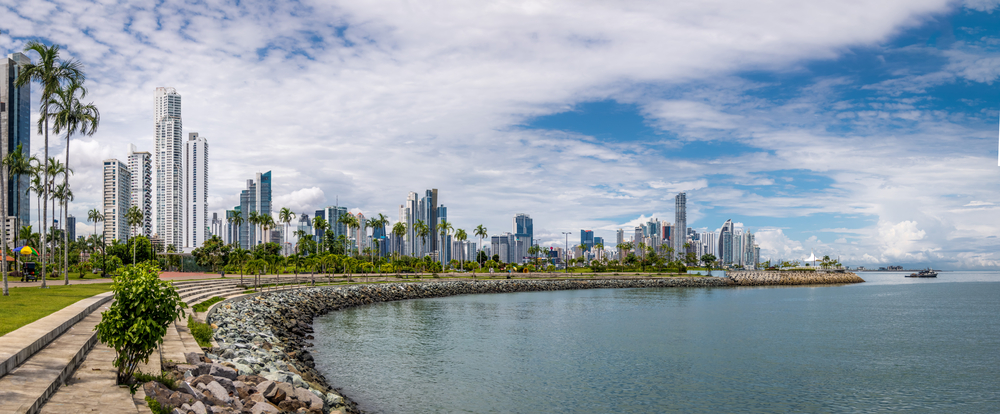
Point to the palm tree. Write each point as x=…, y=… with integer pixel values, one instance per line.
x=253, y=219
x=351, y=221
x=422, y=230
x=64, y=195
x=600, y=248
x=14, y=164
x=399, y=229
x=461, y=236
x=322, y=225
x=236, y=220
x=266, y=224
x=134, y=218
x=51, y=72
x=96, y=216
x=481, y=232
x=444, y=228
x=71, y=116
x=285, y=216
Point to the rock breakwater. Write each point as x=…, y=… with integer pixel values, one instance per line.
x=771, y=278
x=267, y=335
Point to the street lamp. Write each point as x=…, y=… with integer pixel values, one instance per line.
x=567, y=233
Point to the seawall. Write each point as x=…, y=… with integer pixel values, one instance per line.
x=772, y=278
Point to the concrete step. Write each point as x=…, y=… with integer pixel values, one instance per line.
x=26, y=388
x=92, y=389
x=17, y=346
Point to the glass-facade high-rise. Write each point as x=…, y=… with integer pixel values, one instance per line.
x=524, y=234
x=196, y=224
x=140, y=166
x=15, y=129
x=680, y=224
x=257, y=197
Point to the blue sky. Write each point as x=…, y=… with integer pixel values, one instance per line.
x=859, y=131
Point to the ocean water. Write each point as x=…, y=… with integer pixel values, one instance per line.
x=890, y=345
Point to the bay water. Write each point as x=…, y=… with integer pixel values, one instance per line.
x=892, y=344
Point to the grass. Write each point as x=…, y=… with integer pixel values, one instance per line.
x=201, y=307
x=28, y=304
x=202, y=332
x=156, y=408
x=164, y=378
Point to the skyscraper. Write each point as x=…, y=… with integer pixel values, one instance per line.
x=71, y=227
x=524, y=235
x=257, y=197
x=725, y=249
x=680, y=223
x=196, y=191
x=169, y=166
x=140, y=167
x=117, y=183
x=587, y=238
x=15, y=129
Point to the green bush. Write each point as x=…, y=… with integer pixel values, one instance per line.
x=156, y=408
x=202, y=332
x=164, y=378
x=136, y=322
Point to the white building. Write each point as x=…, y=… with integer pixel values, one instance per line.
x=117, y=183
x=140, y=167
x=680, y=223
x=196, y=222
x=169, y=166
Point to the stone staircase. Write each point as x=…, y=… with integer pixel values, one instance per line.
x=38, y=362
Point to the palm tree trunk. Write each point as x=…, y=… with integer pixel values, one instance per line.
x=66, y=216
x=3, y=229
x=45, y=201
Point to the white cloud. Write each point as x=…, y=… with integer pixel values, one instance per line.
x=305, y=200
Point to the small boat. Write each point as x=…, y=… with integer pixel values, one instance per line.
x=924, y=273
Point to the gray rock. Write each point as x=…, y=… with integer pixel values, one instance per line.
x=199, y=408
x=284, y=388
x=193, y=358
x=266, y=387
x=177, y=410
x=218, y=391
x=230, y=386
x=219, y=370
x=334, y=399
x=186, y=388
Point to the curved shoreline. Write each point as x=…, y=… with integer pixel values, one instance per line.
x=266, y=334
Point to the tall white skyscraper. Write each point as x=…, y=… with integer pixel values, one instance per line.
x=117, y=183
x=680, y=223
x=169, y=166
x=140, y=167
x=196, y=222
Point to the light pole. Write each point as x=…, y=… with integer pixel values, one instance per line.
x=567, y=250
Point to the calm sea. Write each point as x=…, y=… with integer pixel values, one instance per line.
x=890, y=345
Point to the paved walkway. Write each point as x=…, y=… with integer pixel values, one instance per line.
x=92, y=389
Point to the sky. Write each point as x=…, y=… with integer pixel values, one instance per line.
x=861, y=130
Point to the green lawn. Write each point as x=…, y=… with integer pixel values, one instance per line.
x=28, y=304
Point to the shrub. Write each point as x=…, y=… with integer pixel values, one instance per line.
x=156, y=408
x=202, y=332
x=164, y=378
x=137, y=320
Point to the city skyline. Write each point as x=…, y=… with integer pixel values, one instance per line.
x=876, y=144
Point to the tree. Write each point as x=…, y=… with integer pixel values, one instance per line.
x=422, y=231
x=71, y=116
x=134, y=218
x=15, y=163
x=236, y=220
x=445, y=228
x=461, y=236
x=481, y=232
x=51, y=72
x=398, y=229
x=285, y=216
x=320, y=224
x=137, y=320
x=351, y=221
x=253, y=219
x=600, y=248
x=708, y=259
x=96, y=216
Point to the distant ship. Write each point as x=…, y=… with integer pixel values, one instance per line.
x=924, y=273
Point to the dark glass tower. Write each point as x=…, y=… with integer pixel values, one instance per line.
x=15, y=123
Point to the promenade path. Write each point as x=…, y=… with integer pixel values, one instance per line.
x=56, y=365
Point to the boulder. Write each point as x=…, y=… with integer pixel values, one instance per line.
x=311, y=400
x=193, y=358
x=186, y=388
x=264, y=407
x=218, y=391
x=199, y=408
x=230, y=386
x=219, y=370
